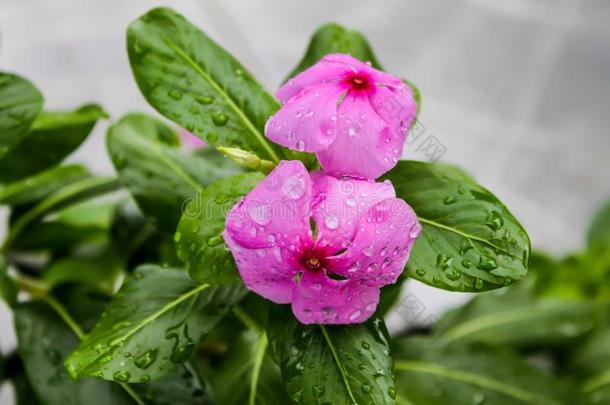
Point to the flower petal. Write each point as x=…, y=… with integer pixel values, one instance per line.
x=365, y=145
x=320, y=299
x=382, y=244
x=276, y=211
x=308, y=121
x=268, y=272
x=329, y=69
x=337, y=206
x=397, y=107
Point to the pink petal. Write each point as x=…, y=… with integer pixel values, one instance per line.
x=366, y=146
x=308, y=121
x=276, y=211
x=382, y=244
x=322, y=300
x=268, y=272
x=338, y=205
x=326, y=70
x=397, y=107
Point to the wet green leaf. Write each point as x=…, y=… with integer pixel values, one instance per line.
x=52, y=137
x=20, y=103
x=161, y=178
x=34, y=188
x=191, y=80
x=332, y=363
x=152, y=325
x=470, y=241
x=199, y=240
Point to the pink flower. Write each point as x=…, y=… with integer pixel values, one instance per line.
x=190, y=140
x=332, y=275
x=354, y=117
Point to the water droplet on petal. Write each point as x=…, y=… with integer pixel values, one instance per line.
x=294, y=187
x=355, y=315
x=301, y=146
x=331, y=221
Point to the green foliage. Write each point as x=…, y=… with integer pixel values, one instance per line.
x=333, y=364
x=191, y=80
x=199, y=240
x=152, y=325
x=182, y=327
x=160, y=177
x=470, y=241
x=21, y=103
x=430, y=374
x=52, y=137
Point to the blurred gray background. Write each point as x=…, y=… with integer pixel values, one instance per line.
x=518, y=92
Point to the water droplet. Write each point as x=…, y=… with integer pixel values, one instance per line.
x=384, y=251
x=449, y=200
x=487, y=263
x=215, y=241
x=442, y=261
x=369, y=251
x=146, y=359
x=494, y=221
x=177, y=237
x=329, y=312
x=212, y=137
x=479, y=284
x=386, y=262
x=365, y=345
x=466, y=263
x=259, y=213
x=350, y=202
x=121, y=376
x=294, y=187
x=392, y=392
x=301, y=145
x=219, y=119
x=355, y=315
x=353, y=130
x=331, y=221
x=372, y=267
x=454, y=275
x=182, y=353
x=420, y=272
x=366, y=388
x=271, y=238
x=175, y=94
x=204, y=99
x=317, y=390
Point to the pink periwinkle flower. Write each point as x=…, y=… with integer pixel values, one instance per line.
x=333, y=274
x=354, y=117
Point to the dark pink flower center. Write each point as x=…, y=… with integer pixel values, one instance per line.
x=313, y=260
x=359, y=82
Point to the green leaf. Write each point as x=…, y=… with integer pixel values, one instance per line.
x=34, y=188
x=8, y=288
x=66, y=196
x=150, y=164
x=516, y=318
x=246, y=361
x=97, y=270
x=191, y=80
x=333, y=364
x=53, y=136
x=470, y=241
x=44, y=340
x=599, y=230
x=334, y=38
x=20, y=104
x=429, y=374
x=152, y=325
x=199, y=240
